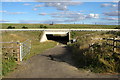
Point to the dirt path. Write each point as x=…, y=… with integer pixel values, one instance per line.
x=41, y=66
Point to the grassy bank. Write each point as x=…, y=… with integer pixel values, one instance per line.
x=19, y=26
x=9, y=64
x=98, y=57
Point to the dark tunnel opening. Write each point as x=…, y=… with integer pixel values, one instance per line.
x=61, y=39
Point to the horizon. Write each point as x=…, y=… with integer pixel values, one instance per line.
x=61, y=24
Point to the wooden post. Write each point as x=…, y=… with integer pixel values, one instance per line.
x=18, y=52
x=11, y=47
x=114, y=45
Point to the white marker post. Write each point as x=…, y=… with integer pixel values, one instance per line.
x=21, y=45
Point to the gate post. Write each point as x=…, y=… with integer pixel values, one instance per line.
x=18, y=52
x=21, y=50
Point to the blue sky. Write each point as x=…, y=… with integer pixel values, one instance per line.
x=59, y=12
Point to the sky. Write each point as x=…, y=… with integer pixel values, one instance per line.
x=68, y=12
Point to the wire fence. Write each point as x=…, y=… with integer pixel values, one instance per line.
x=18, y=50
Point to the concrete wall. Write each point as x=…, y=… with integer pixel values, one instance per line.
x=44, y=37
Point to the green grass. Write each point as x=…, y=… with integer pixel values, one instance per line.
x=37, y=47
x=8, y=65
x=78, y=34
x=19, y=26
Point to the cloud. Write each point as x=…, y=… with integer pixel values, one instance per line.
x=59, y=0
x=43, y=14
x=4, y=21
x=114, y=5
x=109, y=5
x=105, y=5
x=35, y=9
x=65, y=14
x=107, y=23
x=13, y=0
x=110, y=18
x=69, y=16
x=40, y=5
x=26, y=4
x=113, y=13
x=59, y=5
x=91, y=15
x=16, y=12
x=115, y=1
x=3, y=11
x=52, y=0
x=43, y=21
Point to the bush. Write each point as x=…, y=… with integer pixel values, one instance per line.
x=45, y=26
x=25, y=27
x=41, y=26
x=117, y=28
x=10, y=27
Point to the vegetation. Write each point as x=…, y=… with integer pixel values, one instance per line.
x=90, y=52
x=10, y=27
x=38, y=48
x=117, y=27
x=42, y=26
x=113, y=32
x=9, y=63
x=69, y=26
x=25, y=27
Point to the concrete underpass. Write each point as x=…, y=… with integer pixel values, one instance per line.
x=61, y=37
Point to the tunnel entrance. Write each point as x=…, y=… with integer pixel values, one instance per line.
x=63, y=39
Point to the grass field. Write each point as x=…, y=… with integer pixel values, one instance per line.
x=35, y=26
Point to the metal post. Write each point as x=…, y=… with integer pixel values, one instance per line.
x=21, y=51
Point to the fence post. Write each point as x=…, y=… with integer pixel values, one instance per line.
x=18, y=52
x=30, y=47
x=114, y=45
x=11, y=47
x=21, y=51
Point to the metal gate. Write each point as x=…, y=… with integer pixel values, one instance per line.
x=17, y=49
x=25, y=48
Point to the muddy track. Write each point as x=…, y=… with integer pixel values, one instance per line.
x=41, y=66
